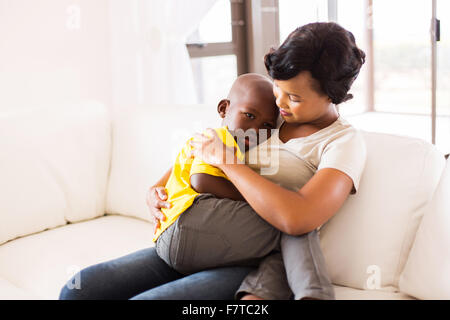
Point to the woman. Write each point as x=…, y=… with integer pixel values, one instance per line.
x=321, y=159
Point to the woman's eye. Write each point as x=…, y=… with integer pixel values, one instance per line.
x=249, y=115
x=293, y=100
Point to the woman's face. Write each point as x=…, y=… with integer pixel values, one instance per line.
x=298, y=101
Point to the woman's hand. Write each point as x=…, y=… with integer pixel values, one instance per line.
x=155, y=201
x=212, y=150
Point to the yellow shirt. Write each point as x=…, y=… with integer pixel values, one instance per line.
x=178, y=187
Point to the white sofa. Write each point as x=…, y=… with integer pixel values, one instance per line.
x=72, y=193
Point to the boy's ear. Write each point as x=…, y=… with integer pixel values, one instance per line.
x=222, y=107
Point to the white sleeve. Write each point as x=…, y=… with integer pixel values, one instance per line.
x=346, y=153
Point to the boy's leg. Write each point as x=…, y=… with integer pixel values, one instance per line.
x=217, y=232
x=268, y=281
x=120, y=278
x=305, y=265
x=299, y=271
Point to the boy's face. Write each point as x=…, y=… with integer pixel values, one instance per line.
x=250, y=116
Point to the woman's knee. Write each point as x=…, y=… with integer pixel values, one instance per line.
x=85, y=284
x=72, y=289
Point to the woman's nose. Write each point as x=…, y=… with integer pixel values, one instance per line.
x=281, y=101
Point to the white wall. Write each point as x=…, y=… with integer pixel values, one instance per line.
x=50, y=54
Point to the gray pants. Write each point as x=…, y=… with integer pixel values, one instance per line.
x=217, y=232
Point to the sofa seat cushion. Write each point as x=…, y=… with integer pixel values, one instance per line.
x=37, y=266
x=9, y=291
x=391, y=293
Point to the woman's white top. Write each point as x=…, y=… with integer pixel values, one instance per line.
x=292, y=164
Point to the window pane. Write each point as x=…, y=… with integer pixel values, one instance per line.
x=215, y=26
x=214, y=77
x=402, y=56
x=443, y=78
x=294, y=14
x=351, y=16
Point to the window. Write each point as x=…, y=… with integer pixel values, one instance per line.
x=396, y=81
x=351, y=15
x=294, y=14
x=214, y=76
x=443, y=78
x=402, y=56
x=216, y=26
x=217, y=50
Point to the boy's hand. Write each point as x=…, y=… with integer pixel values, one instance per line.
x=155, y=201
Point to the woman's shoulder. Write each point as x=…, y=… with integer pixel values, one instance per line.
x=339, y=140
x=343, y=130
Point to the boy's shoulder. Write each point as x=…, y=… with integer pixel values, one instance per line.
x=224, y=135
x=227, y=138
x=221, y=131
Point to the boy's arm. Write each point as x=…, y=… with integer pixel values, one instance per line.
x=218, y=186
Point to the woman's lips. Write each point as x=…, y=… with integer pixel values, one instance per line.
x=285, y=113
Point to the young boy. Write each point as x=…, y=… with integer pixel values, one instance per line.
x=209, y=224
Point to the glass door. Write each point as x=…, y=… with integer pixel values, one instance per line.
x=443, y=78
x=402, y=56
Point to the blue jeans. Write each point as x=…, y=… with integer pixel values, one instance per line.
x=143, y=275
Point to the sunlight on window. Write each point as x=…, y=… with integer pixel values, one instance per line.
x=402, y=53
x=294, y=14
x=215, y=26
x=350, y=15
x=443, y=60
x=214, y=77
x=443, y=78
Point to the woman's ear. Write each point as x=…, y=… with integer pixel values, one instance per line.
x=222, y=107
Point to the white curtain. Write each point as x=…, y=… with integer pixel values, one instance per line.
x=150, y=62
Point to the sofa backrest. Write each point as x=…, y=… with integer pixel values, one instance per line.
x=146, y=141
x=54, y=163
x=366, y=244
x=426, y=274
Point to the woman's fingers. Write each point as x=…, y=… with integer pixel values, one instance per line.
x=162, y=204
x=155, y=197
x=156, y=225
x=210, y=148
x=202, y=137
x=161, y=193
x=148, y=197
x=211, y=131
x=198, y=143
x=158, y=213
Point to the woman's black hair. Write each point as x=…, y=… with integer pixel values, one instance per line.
x=327, y=51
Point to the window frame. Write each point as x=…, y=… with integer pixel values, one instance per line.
x=237, y=46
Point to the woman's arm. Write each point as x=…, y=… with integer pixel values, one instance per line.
x=292, y=212
x=155, y=200
x=162, y=182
